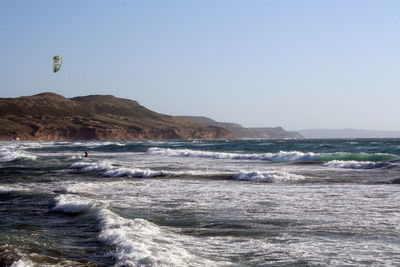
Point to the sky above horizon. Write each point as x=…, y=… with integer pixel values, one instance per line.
x=296, y=64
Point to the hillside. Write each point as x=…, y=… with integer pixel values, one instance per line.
x=51, y=117
x=241, y=132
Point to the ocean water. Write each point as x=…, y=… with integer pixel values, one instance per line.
x=200, y=203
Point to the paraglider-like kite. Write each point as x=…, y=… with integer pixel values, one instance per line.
x=57, y=63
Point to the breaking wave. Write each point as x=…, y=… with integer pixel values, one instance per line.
x=352, y=164
x=144, y=173
x=269, y=177
x=137, y=242
x=345, y=156
x=6, y=189
x=92, y=166
x=72, y=204
x=8, y=155
x=280, y=156
x=109, y=170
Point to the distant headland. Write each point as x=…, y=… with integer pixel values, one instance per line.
x=253, y=132
x=52, y=117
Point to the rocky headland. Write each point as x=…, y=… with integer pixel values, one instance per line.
x=52, y=117
x=253, y=132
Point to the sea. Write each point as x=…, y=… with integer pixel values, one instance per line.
x=201, y=203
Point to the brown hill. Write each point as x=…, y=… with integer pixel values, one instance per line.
x=51, y=117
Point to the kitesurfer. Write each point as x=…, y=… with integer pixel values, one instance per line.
x=86, y=154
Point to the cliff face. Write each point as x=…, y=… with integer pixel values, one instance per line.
x=51, y=117
x=241, y=132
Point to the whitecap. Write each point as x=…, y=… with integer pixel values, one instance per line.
x=23, y=263
x=6, y=189
x=9, y=154
x=352, y=164
x=92, y=166
x=144, y=173
x=108, y=170
x=280, y=156
x=72, y=204
x=141, y=243
x=267, y=176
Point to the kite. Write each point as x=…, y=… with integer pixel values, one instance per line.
x=57, y=63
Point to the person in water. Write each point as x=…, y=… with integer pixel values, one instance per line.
x=86, y=154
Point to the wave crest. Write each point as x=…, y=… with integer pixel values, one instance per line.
x=71, y=204
x=141, y=173
x=269, y=176
x=109, y=170
x=352, y=164
x=8, y=155
x=280, y=156
x=142, y=243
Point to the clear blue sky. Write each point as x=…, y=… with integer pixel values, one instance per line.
x=296, y=64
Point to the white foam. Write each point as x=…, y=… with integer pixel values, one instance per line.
x=35, y=260
x=92, y=166
x=113, y=171
x=23, y=263
x=72, y=204
x=93, y=144
x=10, y=154
x=144, y=173
x=293, y=156
x=107, y=169
x=280, y=156
x=80, y=188
x=74, y=157
x=5, y=189
x=352, y=164
x=267, y=176
x=353, y=143
x=141, y=243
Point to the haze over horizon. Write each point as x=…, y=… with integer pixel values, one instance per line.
x=295, y=64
